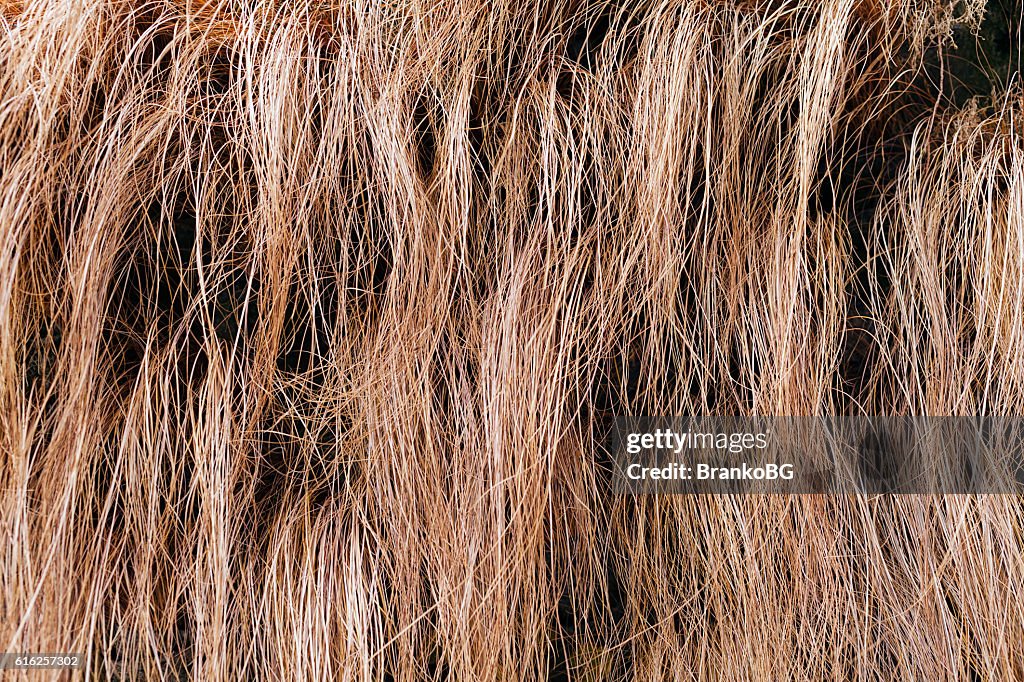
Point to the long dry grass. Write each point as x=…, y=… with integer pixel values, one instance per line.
x=313, y=317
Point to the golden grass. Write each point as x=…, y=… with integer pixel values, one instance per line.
x=313, y=316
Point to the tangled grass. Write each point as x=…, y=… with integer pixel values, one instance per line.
x=313, y=317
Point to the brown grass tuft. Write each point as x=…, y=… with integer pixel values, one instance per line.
x=312, y=319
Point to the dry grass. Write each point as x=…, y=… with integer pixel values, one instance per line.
x=312, y=317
